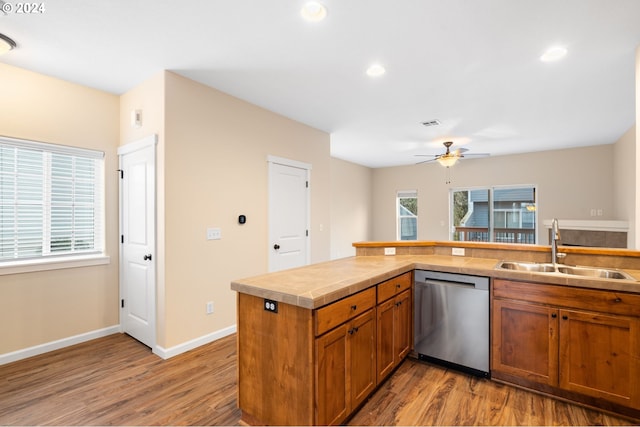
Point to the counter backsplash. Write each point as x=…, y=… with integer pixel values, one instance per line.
x=595, y=257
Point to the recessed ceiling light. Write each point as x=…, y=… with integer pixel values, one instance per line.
x=6, y=44
x=313, y=11
x=376, y=70
x=553, y=54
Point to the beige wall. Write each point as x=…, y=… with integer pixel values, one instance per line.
x=148, y=97
x=636, y=213
x=624, y=191
x=46, y=306
x=570, y=183
x=351, y=206
x=216, y=169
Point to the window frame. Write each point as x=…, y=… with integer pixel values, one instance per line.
x=405, y=194
x=66, y=259
x=491, y=209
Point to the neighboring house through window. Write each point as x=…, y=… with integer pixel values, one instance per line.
x=407, y=215
x=496, y=214
x=51, y=201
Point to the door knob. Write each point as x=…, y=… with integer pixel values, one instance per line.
x=147, y=257
x=276, y=246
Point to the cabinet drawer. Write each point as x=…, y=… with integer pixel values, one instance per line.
x=392, y=287
x=332, y=315
x=613, y=302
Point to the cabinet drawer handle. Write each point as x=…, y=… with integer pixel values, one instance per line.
x=354, y=307
x=398, y=286
x=553, y=315
x=565, y=317
x=618, y=299
x=352, y=331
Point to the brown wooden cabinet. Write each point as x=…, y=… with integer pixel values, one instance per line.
x=600, y=356
x=582, y=341
x=300, y=366
x=525, y=341
x=346, y=368
x=394, y=332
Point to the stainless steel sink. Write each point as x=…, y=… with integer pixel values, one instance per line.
x=527, y=266
x=538, y=267
x=605, y=273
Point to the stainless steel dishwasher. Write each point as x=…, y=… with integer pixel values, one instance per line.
x=451, y=323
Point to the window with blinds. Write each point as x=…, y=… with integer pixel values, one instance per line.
x=51, y=200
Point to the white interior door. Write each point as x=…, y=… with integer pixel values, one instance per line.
x=288, y=214
x=137, y=238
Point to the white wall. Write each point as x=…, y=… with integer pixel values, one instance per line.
x=570, y=183
x=351, y=206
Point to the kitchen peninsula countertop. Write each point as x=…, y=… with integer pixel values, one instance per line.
x=319, y=284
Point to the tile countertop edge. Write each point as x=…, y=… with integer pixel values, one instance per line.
x=317, y=292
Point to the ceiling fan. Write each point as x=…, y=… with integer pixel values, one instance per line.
x=450, y=158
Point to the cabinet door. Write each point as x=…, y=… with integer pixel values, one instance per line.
x=403, y=325
x=331, y=381
x=386, y=330
x=361, y=358
x=525, y=341
x=600, y=356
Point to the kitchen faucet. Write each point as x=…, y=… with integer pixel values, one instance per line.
x=555, y=236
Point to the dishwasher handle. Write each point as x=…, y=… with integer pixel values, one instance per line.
x=449, y=279
x=470, y=286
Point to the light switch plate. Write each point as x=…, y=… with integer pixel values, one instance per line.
x=457, y=251
x=389, y=251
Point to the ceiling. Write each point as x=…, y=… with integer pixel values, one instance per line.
x=471, y=64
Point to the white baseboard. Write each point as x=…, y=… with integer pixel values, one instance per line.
x=58, y=344
x=166, y=353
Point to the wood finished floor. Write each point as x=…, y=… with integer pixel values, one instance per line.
x=118, y=381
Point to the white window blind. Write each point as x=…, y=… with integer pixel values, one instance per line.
x=51, y=200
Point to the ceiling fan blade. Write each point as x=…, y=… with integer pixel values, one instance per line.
x=477, y=155
x=426, y=161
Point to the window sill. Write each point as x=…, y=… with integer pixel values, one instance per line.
x=33, y=265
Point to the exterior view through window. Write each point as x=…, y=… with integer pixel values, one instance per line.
x=496, y=214
x=407, y=210
x=51, y=200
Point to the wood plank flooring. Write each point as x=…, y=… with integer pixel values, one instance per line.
x=118, y=381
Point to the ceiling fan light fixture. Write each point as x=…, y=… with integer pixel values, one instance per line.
x=375, y=70
x=6, y=44
x=313, y=11
x=554, y=53
x=447, y=160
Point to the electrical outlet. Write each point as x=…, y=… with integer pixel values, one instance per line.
x=457, y=251
x=389, y=251
x=270, y=305
x=210, y=307
x=214, y=234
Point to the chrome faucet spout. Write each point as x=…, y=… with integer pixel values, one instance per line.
x=555, y=236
